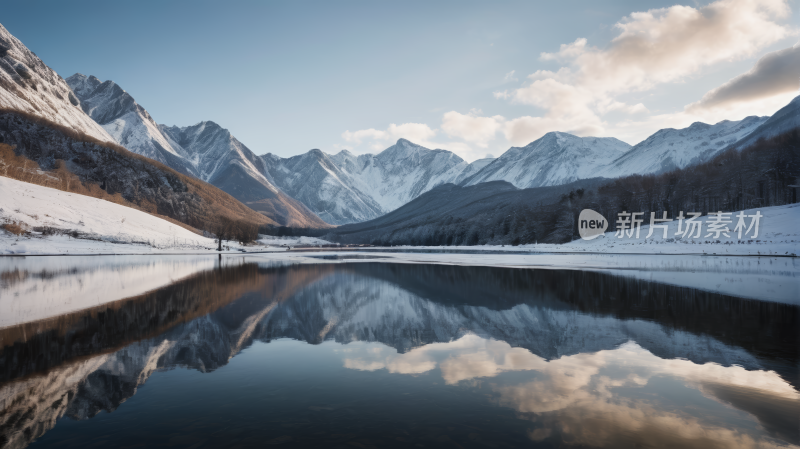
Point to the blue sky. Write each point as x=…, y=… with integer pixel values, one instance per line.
x=286, y=77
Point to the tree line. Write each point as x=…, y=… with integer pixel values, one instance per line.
x=224, y=228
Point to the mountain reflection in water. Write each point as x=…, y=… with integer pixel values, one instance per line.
x=378, y=354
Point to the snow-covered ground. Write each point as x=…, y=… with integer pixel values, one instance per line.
x=778, y=235
x=104, y=227
x=108, y=228
x=706, y=263
x=285, y=241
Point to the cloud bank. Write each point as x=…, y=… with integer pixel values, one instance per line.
x=651, y=49
x=775, y=73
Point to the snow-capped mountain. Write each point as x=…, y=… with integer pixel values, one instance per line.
x=404, y=171
x=473, y=168
x=138, y=179
x=128, y=122
x=205, y=150
x=786, y=119
x=215, y=154
x=28, y=85
x=555, y=158
x=315, y=179
x=670, y=148
x=345, y=188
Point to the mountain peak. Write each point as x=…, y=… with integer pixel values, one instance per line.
x=316, y=152
x=40, y=90
x=699, y=125
x=405, y=142
x=555, y=158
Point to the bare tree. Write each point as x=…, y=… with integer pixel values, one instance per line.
x=222, y=227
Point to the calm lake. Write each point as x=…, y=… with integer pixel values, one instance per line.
x=198, y=352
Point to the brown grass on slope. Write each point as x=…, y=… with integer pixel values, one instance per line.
x=215, y=202
x=26, y=170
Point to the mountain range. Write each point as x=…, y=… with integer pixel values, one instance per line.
x=555, y=158
x=497, y=212
x=205, y=150
x=344, y=188
x=317, y=189
x=669, y=149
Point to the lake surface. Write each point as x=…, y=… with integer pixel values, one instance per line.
x=245, y=352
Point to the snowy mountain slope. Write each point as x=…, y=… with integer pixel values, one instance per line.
x=473, y=168
x=212, y=149
x=39, y=206
x=668, y=149
x=404, y=171
x=116, y=170
x=786, y=119
x=128, y=122
x=205, y=150
x=28, y=85
x=224, y=162
x=315, y=179
x=555, y=158
x=345, y=188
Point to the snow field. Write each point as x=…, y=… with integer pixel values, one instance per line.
x=778, y=235
x=39, y=206
x=104, y=227
x=286, y=241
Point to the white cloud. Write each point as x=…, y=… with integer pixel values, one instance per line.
x=415, y=132
x=503, y=95
x=377, y=140
x=510, y=77
x=651, y=48
x=472, y=127
x=357, y=137
x=411, y=131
